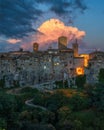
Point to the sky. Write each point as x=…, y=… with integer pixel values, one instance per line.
x=92, y=22
x=23, y=22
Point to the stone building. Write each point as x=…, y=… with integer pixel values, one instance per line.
x=96, y=62
x=24, y=68
x=62, y=43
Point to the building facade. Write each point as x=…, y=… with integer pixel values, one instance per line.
x=96, y=62
x=24, y=68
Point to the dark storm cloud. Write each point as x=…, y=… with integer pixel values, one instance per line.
x=61, y=7
x=80, y=4
x=16, y=17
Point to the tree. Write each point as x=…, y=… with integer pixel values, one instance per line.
x=78, y=103
x=3, y=124
x=55, y=101
x=80, y=81
x=8, y=109
x=66, y=125
x=47, y=117
x=83, y=119
x=101, y=75
x=63, y=114
x=2, y=82
x=97, y=97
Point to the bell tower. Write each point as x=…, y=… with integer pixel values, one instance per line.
x=62, y=43
x=75, y=48
x=35, y=47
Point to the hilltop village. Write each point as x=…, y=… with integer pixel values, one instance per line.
x=24, y=68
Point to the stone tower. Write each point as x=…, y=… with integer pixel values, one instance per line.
x=75, y=48
x=35, y=47
x=62, y=43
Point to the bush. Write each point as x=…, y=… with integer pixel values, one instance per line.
x=61, y=84
x=97, y=97
x=101, y=76
x=28, y=90
x=55, y=101
x=80, y=81
x=79, y=103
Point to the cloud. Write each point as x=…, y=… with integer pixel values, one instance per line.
x=54, y=28
x=62, y=7
x=47, y=35
x=13, y=41
x=17, y=16
x=5, y=46
x=50, y=31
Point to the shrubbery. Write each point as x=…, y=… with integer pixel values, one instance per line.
x=76, y=112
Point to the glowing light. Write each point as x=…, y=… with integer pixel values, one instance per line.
x=57, y=63
x=79, y=71
x=45, y=67
x=86, y=59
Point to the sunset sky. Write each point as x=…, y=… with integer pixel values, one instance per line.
x=23, y=22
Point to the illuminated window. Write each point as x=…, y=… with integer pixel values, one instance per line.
x=45, y=67
x=86, y=59
x=57, y=63
x=79, y=71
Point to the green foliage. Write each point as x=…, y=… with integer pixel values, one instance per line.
x=27, y=125
x=78, y=103
x=88, y=88
x=47, y=117
x=78, y=125
x=2, y=83
x=39, y=99
x=97, y=97
x=3, y=124
x=29, y=90
x=62, y=84
x=55, y=101
x=101, y=76
x=80, y=81
x=65, y=125
x=28, y=93
x=79, y=111
x=64, y=113
x=8, y=109
x=83, y=120
x=7, y=103
x=86, y=117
